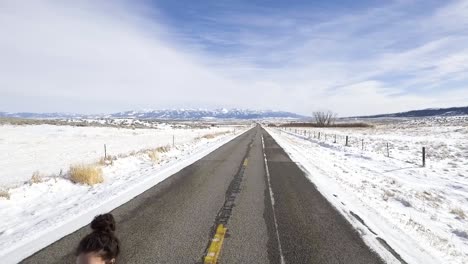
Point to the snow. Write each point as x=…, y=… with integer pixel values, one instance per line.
x=50, y=149
x=421, y=212
x=38, y=214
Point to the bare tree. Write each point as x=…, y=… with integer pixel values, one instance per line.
x=323, y=118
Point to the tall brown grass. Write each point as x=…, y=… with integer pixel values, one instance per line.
x=36, y=178
x=163, y=149
x=153, y=155
x=86, y=174
x=213, y=135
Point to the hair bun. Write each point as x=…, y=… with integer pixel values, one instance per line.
x=103, y=223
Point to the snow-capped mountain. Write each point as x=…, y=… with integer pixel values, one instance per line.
x=169, y=114
x=206, y=114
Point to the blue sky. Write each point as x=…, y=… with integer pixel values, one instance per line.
x=352, y=57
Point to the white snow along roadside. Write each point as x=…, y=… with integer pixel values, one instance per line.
x=51, y=149
x=409, y=208
x=39, y=214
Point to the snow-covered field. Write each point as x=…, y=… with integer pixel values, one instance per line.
x=50, y=149
x=445, y=139
x=421, y=212
x=37, y=214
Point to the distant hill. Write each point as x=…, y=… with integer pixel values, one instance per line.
x=452, y=111
x=172, y=114
x=30, y=115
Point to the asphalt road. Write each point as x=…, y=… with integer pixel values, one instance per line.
x=174, y=221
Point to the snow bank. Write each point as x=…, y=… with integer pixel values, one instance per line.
x=421, y=213
x=51, y=149
x=38, y=214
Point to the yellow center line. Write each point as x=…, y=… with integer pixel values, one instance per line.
x=215, y=247
x=214, y=250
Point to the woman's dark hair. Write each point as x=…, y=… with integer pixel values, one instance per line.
x=102, y=240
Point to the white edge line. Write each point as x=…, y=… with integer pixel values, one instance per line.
x=272, y=204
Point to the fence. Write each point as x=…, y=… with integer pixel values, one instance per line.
x=387, y=148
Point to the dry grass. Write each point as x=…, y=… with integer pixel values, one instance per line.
x=163, y=149
x=209, y=136
x=153, y=155
x=458, y=212
x=4, y=194
x=86, y=174
x=36, y=178
x=434, y=200
x=213, y=135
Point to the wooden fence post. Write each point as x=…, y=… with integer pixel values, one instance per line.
x=346, y=141
x=105, y=152
x=319, y=135
x=388, y=151
x=335, y=139
x=424, y=156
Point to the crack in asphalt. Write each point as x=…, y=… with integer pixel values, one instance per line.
x=232, y=192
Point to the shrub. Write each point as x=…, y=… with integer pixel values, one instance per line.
x=35, y=178
x=4, y=194
x=86, y=174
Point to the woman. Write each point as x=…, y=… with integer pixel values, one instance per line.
x=100, y=246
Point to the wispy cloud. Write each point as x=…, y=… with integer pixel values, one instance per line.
x=418, y=56
x=90, y=56
x=95, y=57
